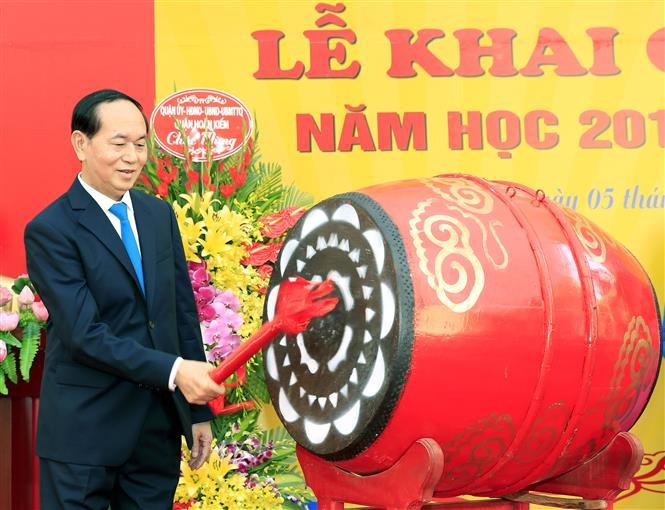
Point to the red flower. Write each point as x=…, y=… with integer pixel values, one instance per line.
x=226, y=190
x=143, y=179
x=275, y=224
x=265, y=271
x=260, y=253
x=163, y=189
x=161, y=173
x=238, y=175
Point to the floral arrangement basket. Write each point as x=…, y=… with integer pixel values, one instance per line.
x=22, y=318
x=233, y=215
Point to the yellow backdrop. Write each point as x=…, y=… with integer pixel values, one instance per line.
x=594, y=71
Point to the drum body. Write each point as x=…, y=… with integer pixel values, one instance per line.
x=518, y=335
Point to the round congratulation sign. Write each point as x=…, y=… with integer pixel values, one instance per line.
x=210, y=120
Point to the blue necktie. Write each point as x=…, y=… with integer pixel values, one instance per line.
x=120, y=211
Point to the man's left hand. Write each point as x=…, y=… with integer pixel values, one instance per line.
x=202, y=434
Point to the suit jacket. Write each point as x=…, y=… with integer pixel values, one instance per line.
x=108, y=348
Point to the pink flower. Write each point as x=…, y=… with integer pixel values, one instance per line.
x=216, y=332
x=223, y=349
x=200, y=278
x=26, y=297
x=3, y=351
x=5, y=296
x=205, y=295
x=228, y=316
x=228, y=299
x=40, y=311
x=8, y=321
x=193, y=266
x=207, y=313
x=198, y=274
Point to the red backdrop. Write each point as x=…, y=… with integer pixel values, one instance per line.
x=51, y=54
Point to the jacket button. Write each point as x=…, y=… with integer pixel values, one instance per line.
x=151, y=324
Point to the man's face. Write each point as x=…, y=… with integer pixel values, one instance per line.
x=113, y=158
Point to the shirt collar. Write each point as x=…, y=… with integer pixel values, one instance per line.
x=102, y=200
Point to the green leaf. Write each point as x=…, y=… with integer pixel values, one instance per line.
x=292, y=196
x=290, y=505
x=8, y=367
x=255, y=383
x=21, y=282
x=3, y=384
x=276, y=435
x=31, y=333
x=9, y=339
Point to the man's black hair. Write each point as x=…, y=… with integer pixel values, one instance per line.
x=85, y=118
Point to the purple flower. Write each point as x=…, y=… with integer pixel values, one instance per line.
x=9, y=320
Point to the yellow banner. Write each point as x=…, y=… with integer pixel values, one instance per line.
x=567, y=97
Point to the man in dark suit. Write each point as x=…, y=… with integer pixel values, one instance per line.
x=125, y=373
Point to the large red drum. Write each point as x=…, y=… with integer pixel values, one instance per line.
x=518, y=335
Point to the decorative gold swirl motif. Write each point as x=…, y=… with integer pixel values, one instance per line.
x=492, y=226
x=544, y=434
x=650, y=477
x=454, y=254
x=592, y=238
x=466, y=194
x=636, y=358
x=469, y=200
x=475, y=450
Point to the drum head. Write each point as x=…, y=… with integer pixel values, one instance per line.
x=335, y=386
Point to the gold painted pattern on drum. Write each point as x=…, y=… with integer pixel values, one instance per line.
x=635, y=361
x=471, y=200
x=462, y=192
x=452, y=238
x=476, y=449
x=593, y=240
x=462, y=198
x=545, y=433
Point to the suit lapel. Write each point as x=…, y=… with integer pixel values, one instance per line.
x=95, y=220
x=146, y=224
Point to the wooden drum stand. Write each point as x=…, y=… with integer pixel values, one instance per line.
x=409, y=484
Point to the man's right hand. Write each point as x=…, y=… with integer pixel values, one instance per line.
x=195, y=383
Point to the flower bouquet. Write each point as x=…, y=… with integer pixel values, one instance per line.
x=233, y=215
x=22, y=318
